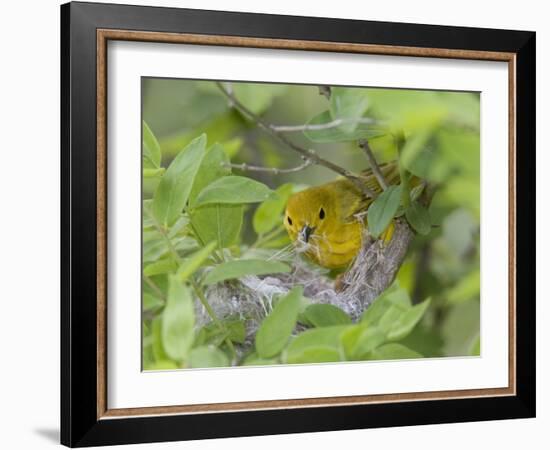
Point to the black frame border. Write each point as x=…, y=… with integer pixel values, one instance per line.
x=79, y=423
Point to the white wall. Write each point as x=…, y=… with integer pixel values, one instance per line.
x=29, y=108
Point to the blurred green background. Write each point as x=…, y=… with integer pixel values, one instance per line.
x=442, y=146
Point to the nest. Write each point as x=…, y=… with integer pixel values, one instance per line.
x=374, y=269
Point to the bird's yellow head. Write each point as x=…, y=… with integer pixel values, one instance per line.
x=327, y=222
x=308, y=215
x=319, y=222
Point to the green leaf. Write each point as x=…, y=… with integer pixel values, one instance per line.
x=213, y=334
x=232, y=146
x=348, y=104
x=349, y=337
x=463, y=107
x=275, y=330
x=236, y=330
x=419, y=218
x=159, y=267
x=151, y=302
x=425, y=340
x=382, y=210
x=417, y=191
x=390, y=318
x=337, y=134
x=164, y=364
x=323, y=315
x=151, y=149
x=221, y=223
x=178, y=320
x=257, y=97
x=417, y=156
x=409, y=110
x=277, y=242
x=239, y=268
x=316, y=354
x=361, y=340
x=406, y=276
x=152, y=173
x=233, y=190
x=175, y=186
x=156, y=333
x=394, y=296
x=179, y=226
x=317, y=337
x=393, y=351
x=268, y=214
x=190, y=264
x=466, y=289
x=460, y=152
x=458, y=230
x=210, y=334
x=460, y=327
x=218, y=128
x=207, y=356
x=405, y=322
x=254, y=360
x=213, y=166
x=157, y=246
x=369, y=339
x=475, y=349
x=464, y=192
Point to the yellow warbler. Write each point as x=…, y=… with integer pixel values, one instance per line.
x=327, y=221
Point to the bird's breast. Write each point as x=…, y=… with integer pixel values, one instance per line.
x=338, y=248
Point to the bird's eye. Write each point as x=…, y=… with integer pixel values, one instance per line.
x=322, y=214
x=289, y=220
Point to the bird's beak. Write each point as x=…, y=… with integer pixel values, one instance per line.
x=305, y=233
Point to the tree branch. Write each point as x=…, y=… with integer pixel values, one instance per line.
x=325, y=91
x=320, y=126
x=306, y=153
x=375, y=268
x=364, y=144
x=274, y=170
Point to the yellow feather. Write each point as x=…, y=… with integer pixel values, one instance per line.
x=328, y=220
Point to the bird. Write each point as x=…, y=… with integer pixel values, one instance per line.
x=327, y=222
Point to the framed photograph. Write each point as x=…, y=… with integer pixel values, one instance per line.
x=276, y=224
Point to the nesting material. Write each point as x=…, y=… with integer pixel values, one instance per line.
x=252, y=297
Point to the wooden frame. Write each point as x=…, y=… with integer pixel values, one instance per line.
x=86, y=419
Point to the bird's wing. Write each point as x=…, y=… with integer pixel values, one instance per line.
x=390, y=171
x=354, y=202
x=391, y=175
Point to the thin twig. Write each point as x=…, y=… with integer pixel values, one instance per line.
x=320, y=126
x=306, y=153
x=274, y=170
x=364, y=144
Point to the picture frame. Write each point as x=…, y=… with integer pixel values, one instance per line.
x=86, y=30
